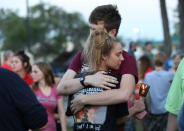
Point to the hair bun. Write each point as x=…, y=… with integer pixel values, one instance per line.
x=98, y=38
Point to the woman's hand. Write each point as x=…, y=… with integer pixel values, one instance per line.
x=77, y=103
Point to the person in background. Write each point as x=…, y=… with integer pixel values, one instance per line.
x=132, y=48
x=20, y=110
x=180, y=119
x=144, y=67
x=57, y=79
x=45, y=89
x=7, y=60
x=159, y=81
x=176, y=60
x=21, y=65
x=148, y=51
x=175, y=98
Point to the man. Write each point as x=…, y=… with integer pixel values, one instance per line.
x=175, y=98
x=132, y=48
x=160, y=81
x=106, y=16
x=148, y=52
x=20, y=110
x=180, y=119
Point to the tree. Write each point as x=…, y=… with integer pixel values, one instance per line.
x=50, y=29
x=165, y=22
x=181, y=23
x=12, y=34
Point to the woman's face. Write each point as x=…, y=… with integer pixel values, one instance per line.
x=17, y=64
x=177, y=60
x=114, y=59
x=36, y=74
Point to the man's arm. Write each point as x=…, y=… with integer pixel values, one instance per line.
x=107, y=97
x=69, y=85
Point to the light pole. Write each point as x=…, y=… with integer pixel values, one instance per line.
x=27, y=26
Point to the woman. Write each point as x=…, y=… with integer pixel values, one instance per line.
x=145, y=67
x=21, y=65
x=176, y=60
x=103, y=53
x=45, y=90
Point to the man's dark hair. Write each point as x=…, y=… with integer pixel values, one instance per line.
x=108, y=14
x=131, y=44
x=147, y=43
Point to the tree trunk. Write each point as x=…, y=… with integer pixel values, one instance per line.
x=165, y=22
x=181, y=23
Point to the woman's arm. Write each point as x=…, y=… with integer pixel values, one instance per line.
x=62, y=116
x=107, y=97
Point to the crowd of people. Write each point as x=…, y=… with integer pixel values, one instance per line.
x=102, y=83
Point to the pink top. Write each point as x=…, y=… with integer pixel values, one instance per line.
x=49, y=102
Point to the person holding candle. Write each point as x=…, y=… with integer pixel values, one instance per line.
x=159, y=81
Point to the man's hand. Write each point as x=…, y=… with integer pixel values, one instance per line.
x=101, y=80
x=77, y=103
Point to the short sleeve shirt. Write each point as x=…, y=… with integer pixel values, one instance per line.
x=175, y=97
x=49, y=102
x=98, y=118
x=128, y=66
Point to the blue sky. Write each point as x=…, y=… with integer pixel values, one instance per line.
x=142, y=16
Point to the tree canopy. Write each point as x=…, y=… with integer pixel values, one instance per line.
x=50, y=29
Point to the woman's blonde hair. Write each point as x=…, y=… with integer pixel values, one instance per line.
x=99, y=43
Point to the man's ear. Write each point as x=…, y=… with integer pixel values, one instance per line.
x=113, y=32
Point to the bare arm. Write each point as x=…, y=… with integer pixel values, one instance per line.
x=62, y=116
x=69, y=85
x=108, y=97
x=137, y=107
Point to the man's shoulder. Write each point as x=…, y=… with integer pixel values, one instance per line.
x=5, y=73
x=80, y=52
x=127, y=55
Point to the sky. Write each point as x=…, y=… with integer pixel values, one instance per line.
x=141, y=19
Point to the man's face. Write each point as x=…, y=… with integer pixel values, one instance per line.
x=99, y=25
x=149, y=47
